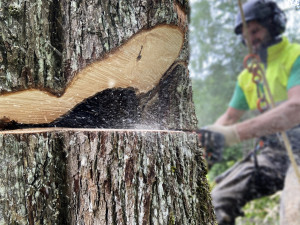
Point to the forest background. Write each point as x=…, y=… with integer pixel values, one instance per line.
x=215, y=61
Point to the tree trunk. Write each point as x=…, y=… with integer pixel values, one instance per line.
x=98, y=64
x=103, y=177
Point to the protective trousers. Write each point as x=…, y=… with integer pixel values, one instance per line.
x=257, y=176
x=246, y=182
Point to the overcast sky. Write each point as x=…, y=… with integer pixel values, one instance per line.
x=287, y=5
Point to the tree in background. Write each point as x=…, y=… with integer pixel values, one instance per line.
x=216, y=57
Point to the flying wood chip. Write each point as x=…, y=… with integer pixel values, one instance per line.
x=139, y=64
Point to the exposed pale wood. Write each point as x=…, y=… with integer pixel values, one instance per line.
x=52, y=129
x=96, y=176
x=139, y=63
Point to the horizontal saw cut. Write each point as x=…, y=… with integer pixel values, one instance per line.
x=139, y=64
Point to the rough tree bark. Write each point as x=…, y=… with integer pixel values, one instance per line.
x=98, y=176
x=103, y=177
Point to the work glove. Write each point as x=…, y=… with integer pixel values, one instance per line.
x=229, y=132
x=213, y=144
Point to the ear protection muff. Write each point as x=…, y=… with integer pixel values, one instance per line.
x=267, y=13
x=278, y=20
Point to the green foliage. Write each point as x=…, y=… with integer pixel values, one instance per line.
x=230, y=157
x=216, y=57
x=263, y=211
x=217, y=54
x=211, y=97
x=215, y=61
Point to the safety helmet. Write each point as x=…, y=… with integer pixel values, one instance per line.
x=267, y=13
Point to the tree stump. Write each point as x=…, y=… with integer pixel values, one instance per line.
x=68, y=68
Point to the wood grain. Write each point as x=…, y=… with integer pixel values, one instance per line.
x=139, y=63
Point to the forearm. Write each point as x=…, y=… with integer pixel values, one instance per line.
x=281, y=118
x=230, y=117
x=224, y=120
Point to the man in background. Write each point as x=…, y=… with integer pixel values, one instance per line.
x=264, y=173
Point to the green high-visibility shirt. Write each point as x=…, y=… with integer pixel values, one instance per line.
x=282, y=73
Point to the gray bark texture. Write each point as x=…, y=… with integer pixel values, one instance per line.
x=76, y=176
x=103, y=177
x=44, y=43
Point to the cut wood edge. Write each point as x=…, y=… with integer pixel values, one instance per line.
x=63, y=129
x=139, y=64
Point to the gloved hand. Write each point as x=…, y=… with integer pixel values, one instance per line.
x=229, y=132
x=213, y=145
